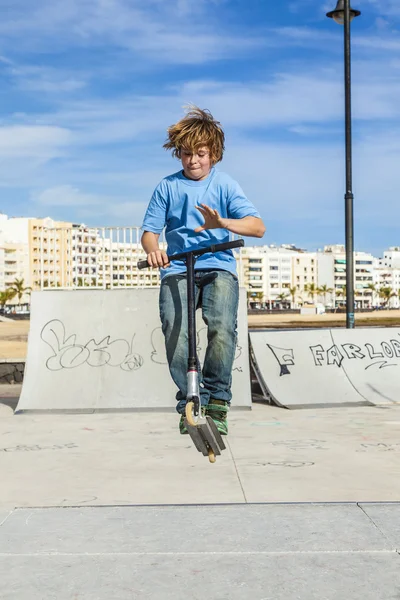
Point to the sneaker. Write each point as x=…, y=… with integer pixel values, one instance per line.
x=218, y=410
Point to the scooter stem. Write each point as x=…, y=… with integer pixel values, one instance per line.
x=192, y=359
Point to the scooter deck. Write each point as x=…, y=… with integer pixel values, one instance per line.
x=206, y=435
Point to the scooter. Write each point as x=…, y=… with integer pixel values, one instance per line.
x=201, y=428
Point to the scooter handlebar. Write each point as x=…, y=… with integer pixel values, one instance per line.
x=221, y=247
x=143, y=264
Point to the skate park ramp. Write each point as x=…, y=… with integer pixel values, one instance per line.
x=328, y=367
x=95, y=350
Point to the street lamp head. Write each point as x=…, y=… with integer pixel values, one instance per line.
x=338, y=14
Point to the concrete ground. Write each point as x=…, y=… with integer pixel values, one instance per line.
x=302, y=505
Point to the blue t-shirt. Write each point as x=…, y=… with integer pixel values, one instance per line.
x=173, y=206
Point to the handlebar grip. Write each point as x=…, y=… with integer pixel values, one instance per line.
x=143, y=264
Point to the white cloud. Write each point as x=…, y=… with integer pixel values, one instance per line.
x=162, y=32
x=65, y=195
x=295, y=99
x=45, y=79
x=123, y=210
x=32, y=141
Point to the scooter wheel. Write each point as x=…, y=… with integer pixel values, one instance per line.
x=211, y=456
x=189, y=414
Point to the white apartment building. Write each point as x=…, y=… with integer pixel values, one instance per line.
x=311, y=271
x=278, y=276
x=14, y=229
x=391, y=258
x=16, y=266
x=108, y=257
x=266, y=272
x=386, y=277
x=14, y=253
x=2, y=262
x=50, y=254
x=363, y=275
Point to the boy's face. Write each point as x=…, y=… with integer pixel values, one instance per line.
x=196, y=165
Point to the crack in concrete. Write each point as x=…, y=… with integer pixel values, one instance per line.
x=378, y=528
x=6, y=517
x=237, y=471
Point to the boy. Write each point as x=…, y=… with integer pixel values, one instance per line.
x=199, y=206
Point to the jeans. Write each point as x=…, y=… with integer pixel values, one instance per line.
x=217, y=293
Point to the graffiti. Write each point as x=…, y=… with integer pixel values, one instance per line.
x=74, y=502
x=285, y=358
x=301, y=444
x=68, y=354
x=335, y=354
x=158, y=353
x=38, y=448
x=380, y=446
x=383, y=355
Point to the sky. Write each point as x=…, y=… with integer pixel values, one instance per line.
x=89, y=87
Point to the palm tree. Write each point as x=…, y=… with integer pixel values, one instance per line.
x=311, y=289
x=372, y=287
x=341, y=292
x=251, y=297
x=386, y=293
x=282, y=297
x=5, y=296
x=324, y=290
x=293, y=292
x=19, y=289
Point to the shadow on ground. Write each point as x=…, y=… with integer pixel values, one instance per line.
x=10, y=402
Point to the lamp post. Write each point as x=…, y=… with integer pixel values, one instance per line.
x=344, y=14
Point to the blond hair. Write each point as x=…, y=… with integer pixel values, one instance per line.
x=198, y=128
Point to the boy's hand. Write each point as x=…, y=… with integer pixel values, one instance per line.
x=212, y=218
x=158, y=258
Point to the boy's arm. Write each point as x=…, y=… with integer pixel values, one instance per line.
x=250, y=226
x=155, y=256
